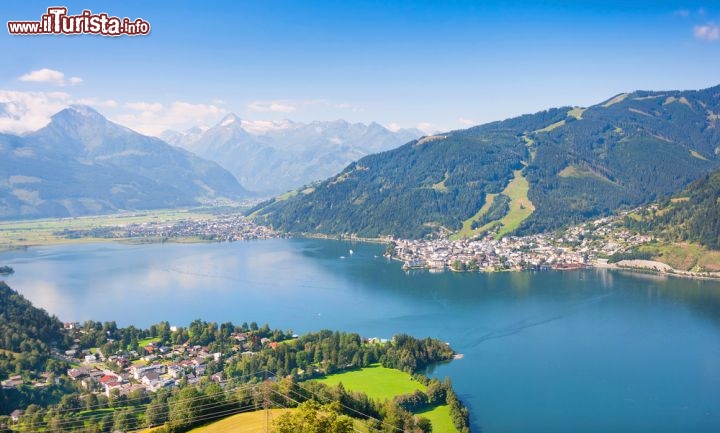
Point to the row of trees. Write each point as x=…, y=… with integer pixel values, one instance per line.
x=180, y=409
x=326, y=352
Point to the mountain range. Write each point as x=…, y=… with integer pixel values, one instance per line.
x=81, y=163
x=272, y=157
x=522, y=175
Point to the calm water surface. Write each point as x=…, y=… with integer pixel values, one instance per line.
x=590, y=351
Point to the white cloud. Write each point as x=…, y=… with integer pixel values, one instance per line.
x=46, y=75
x=145, y=106
x=108, y=103
x=22, y=112
x=394, y=127
x=152, y=118
x=708, y=32
x=346, y=106
x=426, y=127
x=264, y=126
x=467, y=122
x=278, y=107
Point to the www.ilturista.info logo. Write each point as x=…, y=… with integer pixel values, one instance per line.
x=58, y=22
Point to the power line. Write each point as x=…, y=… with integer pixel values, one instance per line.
x=208, y=410
x=135, y=410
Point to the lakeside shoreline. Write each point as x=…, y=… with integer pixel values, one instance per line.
x=633, y=266
x=511, y=254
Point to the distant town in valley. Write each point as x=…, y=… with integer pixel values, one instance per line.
x=603, y=242
x=226, y=228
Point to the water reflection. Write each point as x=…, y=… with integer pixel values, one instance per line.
x=583, y=350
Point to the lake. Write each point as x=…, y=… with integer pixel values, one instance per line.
x=555, y=351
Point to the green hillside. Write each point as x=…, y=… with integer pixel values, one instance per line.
x=578, y=163
x=27, y=335
x=26, y=329
x=692, y=216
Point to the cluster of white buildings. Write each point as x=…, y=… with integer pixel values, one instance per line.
x=152, y=373
x=222, y=227
x=574, y=247
x=233, y=227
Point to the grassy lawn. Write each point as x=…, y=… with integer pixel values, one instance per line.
x=520, y=209
x=96, y=413
x=577, y=112
x=439, y=416
x=147, y=341
x=551, y=127
x=520, y=205
x=579, y=173
x=530, y=143
x=250, y=422
x=685, y=256
x=615, y=100
x=440, y=186
x=376, y=381
x=466, y=231
x=287, y=195
x=381, y=383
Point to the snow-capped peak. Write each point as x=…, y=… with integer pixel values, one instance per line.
x=260, y=127
x=230, y=119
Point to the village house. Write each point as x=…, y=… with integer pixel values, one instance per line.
x=15, y=415
x=138, y=372
x=12, y=382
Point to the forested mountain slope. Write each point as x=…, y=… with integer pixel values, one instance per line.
x=562, y=166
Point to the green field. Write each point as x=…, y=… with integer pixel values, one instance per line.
x=577, y=172
x=251, y=422
x=381, y=383
x=147, y=341
x=520, y=209
x=551, y=127
x=467, y=231
x=577, y=112
x=18, y=234
x=684, y=256
x=440, y=186
x=440, y=418
x=520, y=205
x=378, y=382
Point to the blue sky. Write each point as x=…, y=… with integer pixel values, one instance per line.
x=428, y=64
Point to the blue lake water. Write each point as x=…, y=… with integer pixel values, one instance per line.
x=588, y=350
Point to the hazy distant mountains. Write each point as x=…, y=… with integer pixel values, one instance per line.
x=81, y=163
x=271, y=157
x=531, y=173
